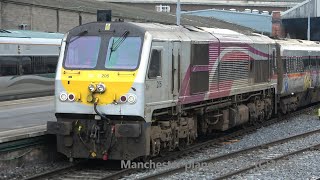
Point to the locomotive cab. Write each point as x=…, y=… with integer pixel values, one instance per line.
x=100, y=66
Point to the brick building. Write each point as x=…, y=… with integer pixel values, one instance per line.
x=63, y=15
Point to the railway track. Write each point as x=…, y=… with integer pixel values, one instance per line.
x=242, y=152
x=76, y=171
x=81, y=171
x=25, y=143
x=272, y=160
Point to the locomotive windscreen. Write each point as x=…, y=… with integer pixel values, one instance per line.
x=104, y=46
x=83, y=52
x=123, y=54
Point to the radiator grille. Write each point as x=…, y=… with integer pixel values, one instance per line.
x=236, y=71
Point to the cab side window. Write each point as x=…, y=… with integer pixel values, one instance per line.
x=155, y=64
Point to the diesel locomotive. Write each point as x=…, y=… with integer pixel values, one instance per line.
x=133, y=90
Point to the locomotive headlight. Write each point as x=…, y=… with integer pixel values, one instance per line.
x=101, y=88
x=123, y=99
x=71, y=97
x=63, y=96
x=92, y=88
x=132, y=98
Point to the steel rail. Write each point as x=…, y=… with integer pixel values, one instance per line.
x=210, y=143
x=231, y=155
x=24, y=143
x=54, y=172
x=228, y=175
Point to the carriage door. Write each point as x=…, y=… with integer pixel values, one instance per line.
x=313, y=70
x=158, y=75
x=175, y=70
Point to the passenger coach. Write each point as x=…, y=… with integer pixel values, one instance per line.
x=28, y=63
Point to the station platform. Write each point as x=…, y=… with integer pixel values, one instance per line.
x=20, y=119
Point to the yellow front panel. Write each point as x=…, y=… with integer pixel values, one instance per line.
x=117, y=83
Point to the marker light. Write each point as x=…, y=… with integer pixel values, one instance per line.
x=63, y=96
x=123, y=99
x=132, y=98
x=71, y=97
x=101, y=88
x=92, y=88
x=90, y=98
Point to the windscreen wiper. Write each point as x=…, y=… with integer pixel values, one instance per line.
x=115, y=45
x=78, y=36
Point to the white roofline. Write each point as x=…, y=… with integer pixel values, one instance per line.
x=42, y=41
x=211, y=2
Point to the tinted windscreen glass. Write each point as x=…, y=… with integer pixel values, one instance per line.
x=123, y=53
x=83, y=52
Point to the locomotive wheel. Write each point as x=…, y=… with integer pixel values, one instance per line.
x=145, y=158
x=182, y=144
x=283, y=110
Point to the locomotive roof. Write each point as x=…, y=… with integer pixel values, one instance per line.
x=194, y=33
x=299, y=45
x=298, y=42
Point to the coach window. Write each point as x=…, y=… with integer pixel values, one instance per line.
x=286, y=64
x=38, y=65
x=290, y=64
x=300, y=64
x=155, y=64
x=51, y=64
x=8, y=66
x=25, y=67
x=306, y=62
x=313, y=62
x=274, y=60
